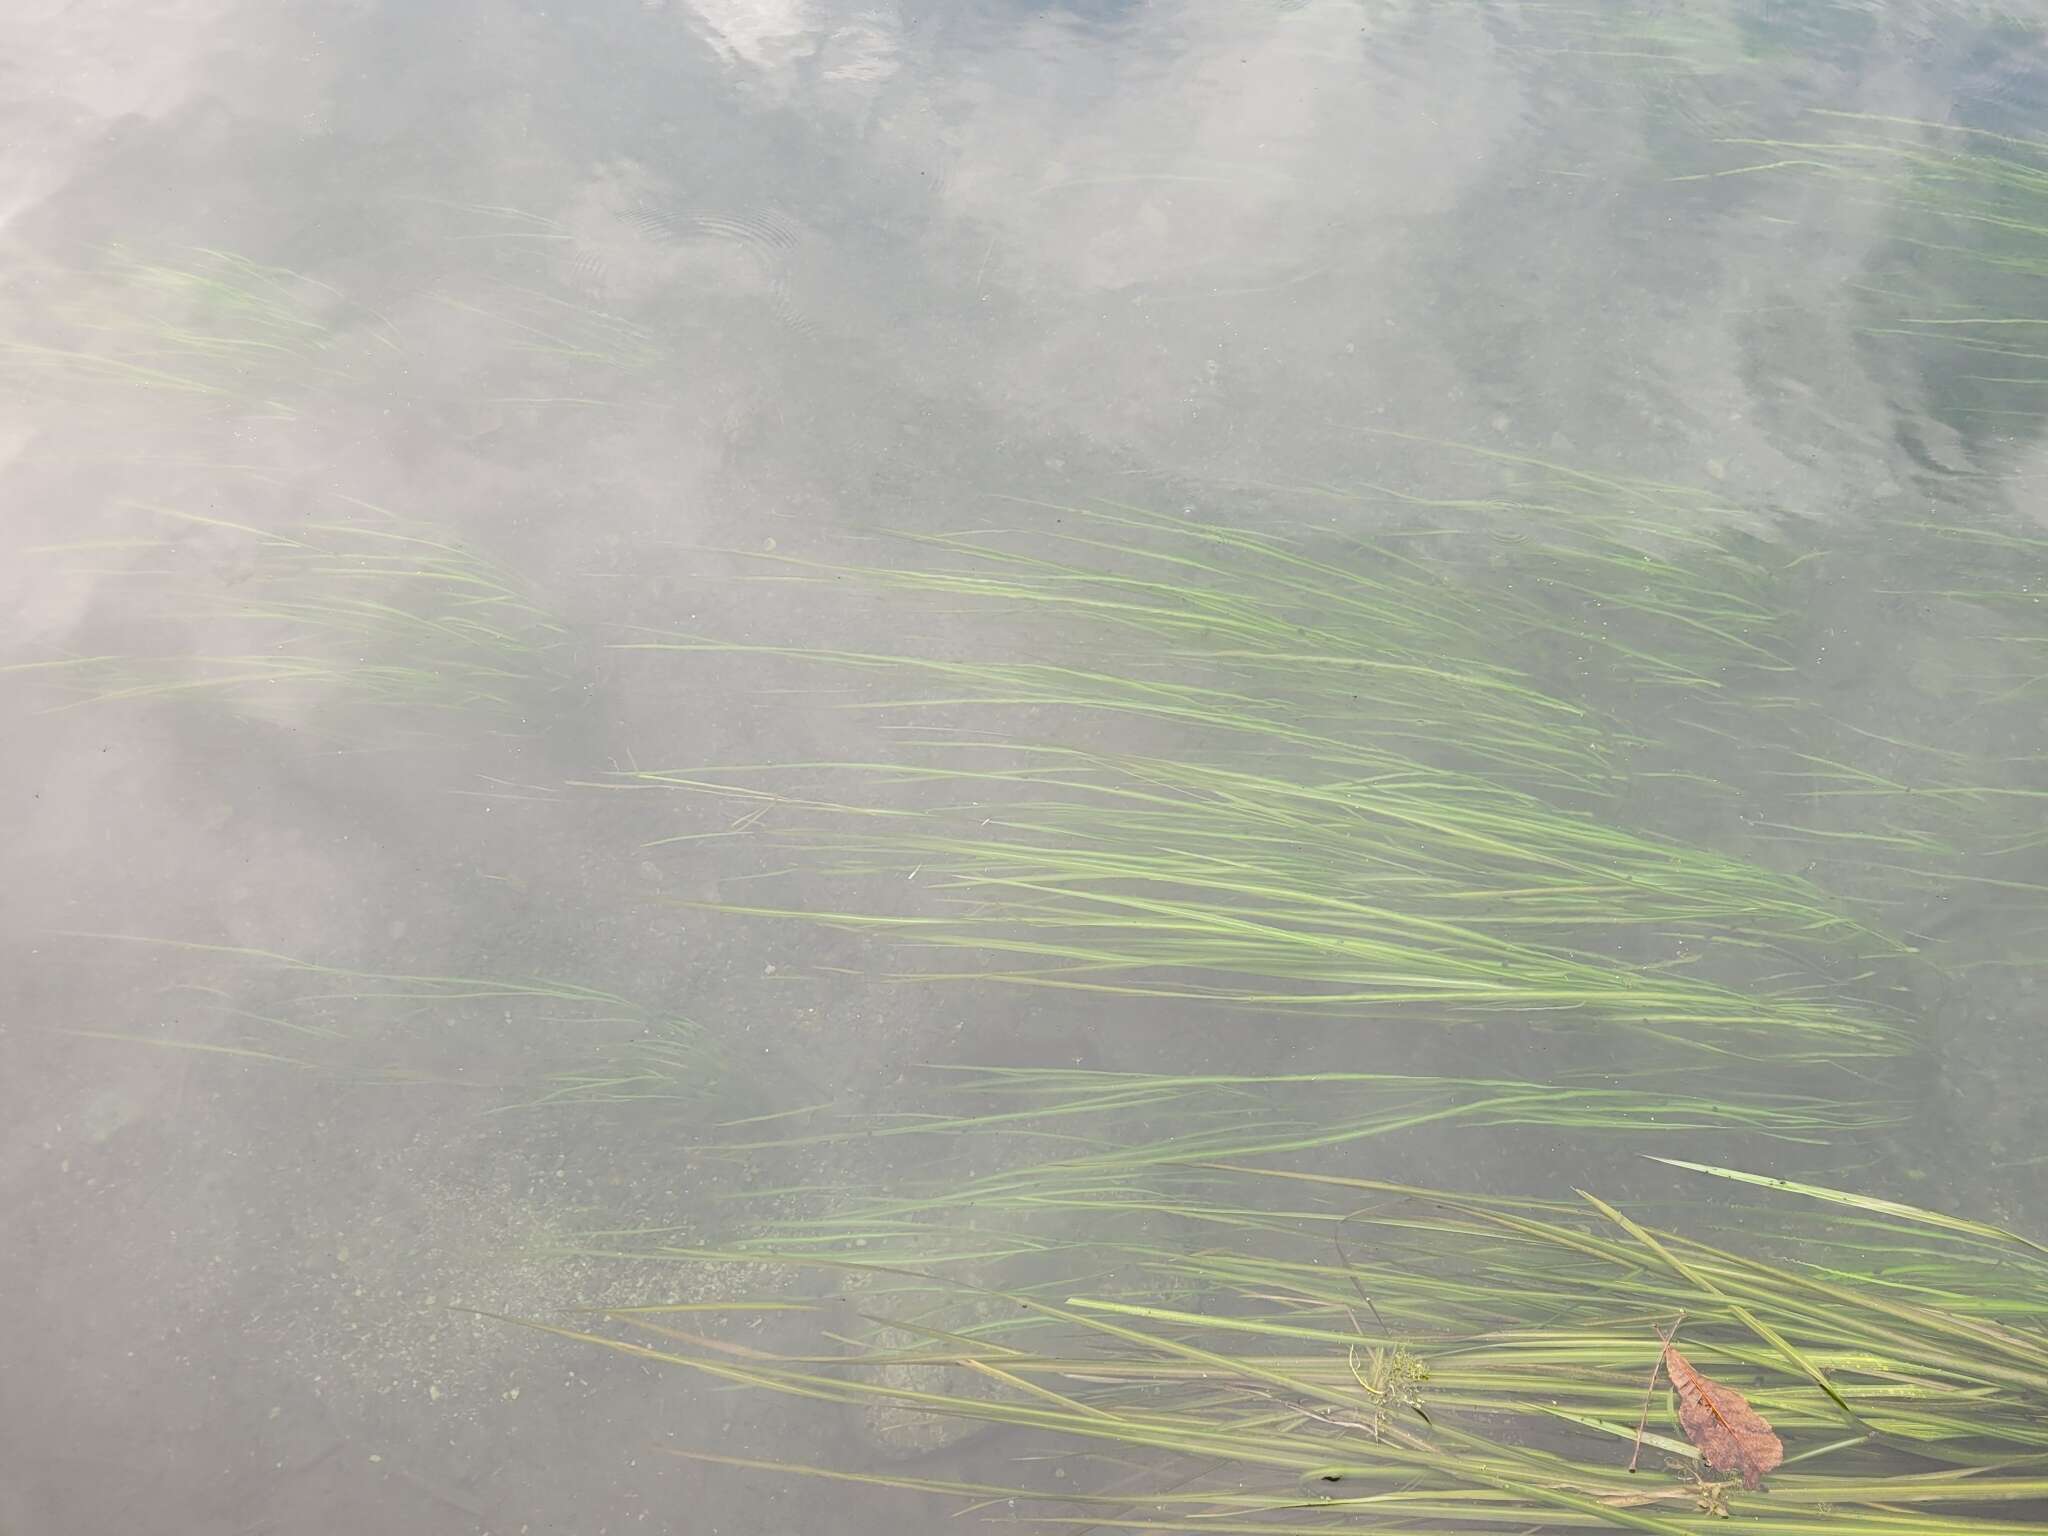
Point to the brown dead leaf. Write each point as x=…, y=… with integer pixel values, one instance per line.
x=1732, y=1436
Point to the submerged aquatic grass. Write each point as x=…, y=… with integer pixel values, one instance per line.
x=1953, y=287
x=480, y=1032
x=1426, y=771
x=360, y=607
x=1167, y=878
x=1280, y=1350
x=672, y=1061
x=1540, y=744
x=1464, y=643
x=223, y=330
x=1032, y=1160
x=1087, y=1117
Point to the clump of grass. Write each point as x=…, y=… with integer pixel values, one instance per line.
x=1022, y=1160
x=486, y=1033
x=358, y=608
x=1010, y=1145
x=1085, y=1117
x=1169, y=878
x=1472, y=642
x=226, y=332
x=1956, y=278
x=672, y=1061
x=548, y=330
x=1274, y=1350
x=1547, y=746
x=517, y=290
x=1395, y=774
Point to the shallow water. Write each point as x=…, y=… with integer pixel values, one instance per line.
x=383, y=381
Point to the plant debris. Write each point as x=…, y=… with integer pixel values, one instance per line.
x=1732, y=1436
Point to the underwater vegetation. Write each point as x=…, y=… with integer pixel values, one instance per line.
x=355, y=607
x=1560, y=754
x=398, y=1029
x=1536, y=750
x=225, y=332
x=1956, y=278
x=548, y=346
x=1089, y=1119
x=552, y=343
x=1211, y=1345
x=1160, y=878
x=244, y=340
x=1549, y=754
x=1487, y=765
